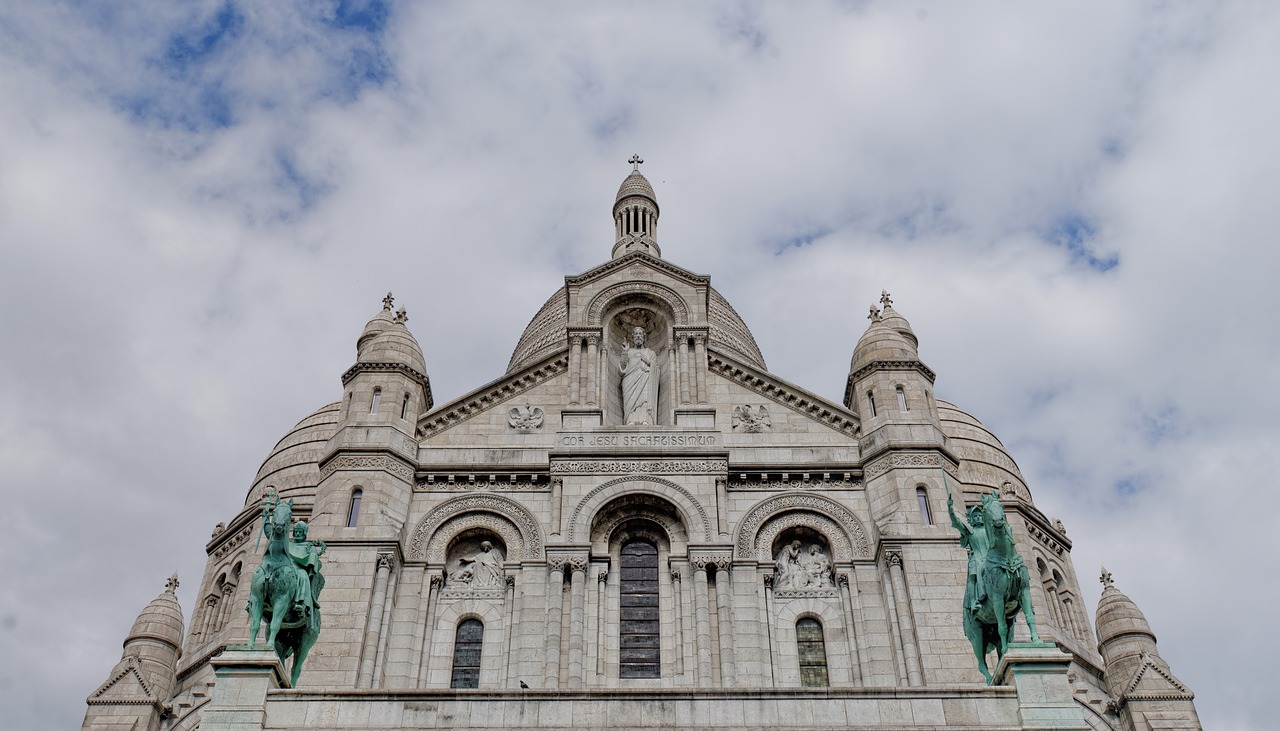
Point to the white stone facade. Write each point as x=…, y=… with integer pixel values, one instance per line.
x=766, y=505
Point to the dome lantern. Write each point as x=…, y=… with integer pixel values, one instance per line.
x=635, y=214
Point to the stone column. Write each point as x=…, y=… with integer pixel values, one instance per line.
x=510, y=629
x=722, y=505
x=683, y=369
x=700, y=365
x=677, y=613
x=768, y=627
x=602, y=586
x=852, y=630
x=428, y=624
x=577, y=619
x=910, y=650
x=575, y=370
x=555, y=618
x=724, y=601
x=702, y=620
x=593, y=368
x=384, y=636
x=373, y=624
x=557, y=504
x=228, y=594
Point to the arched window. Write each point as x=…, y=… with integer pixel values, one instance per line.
x=902, y=398
x=404, y=405
x=353, y=514
x=466, y=654
x=638, y=655
x=377, y=399
x=871, y=399
x=922, y=499
x=813, y=654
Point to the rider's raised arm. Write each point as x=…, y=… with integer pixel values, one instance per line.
x=955, y=521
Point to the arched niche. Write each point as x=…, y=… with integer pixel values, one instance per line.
x=516, y=527
x=763, y=522
x=691, y=513
x=621, y=317
x=638, y=516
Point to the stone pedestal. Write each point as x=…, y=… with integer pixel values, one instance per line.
x=239, y=700
x=1038, y=671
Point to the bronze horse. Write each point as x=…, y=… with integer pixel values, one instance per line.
x=1003, y=586
x=282, y=591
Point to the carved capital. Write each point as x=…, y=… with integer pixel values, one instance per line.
x=593, y=340
x=699, y=338
x=510, y=582
x=842, y=580
x=436, y=581
x=578, y=563
x=603, y=576
x=386, y=561
x=768, y=581
x=675, y=574
x=893, y=558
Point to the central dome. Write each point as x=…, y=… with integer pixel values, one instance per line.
x=547, y=333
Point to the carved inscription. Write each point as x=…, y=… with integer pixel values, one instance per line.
x=589, y=439
x=641, y=466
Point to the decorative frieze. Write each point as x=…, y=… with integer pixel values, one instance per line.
x=795, y=481
x=230, y=544
x=898, y=460
x=639, y=466
x=382, y=462
x=510, y=482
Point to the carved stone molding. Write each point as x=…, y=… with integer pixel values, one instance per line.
x=710, y=561
x=896, y=365
x=469, y=483
x=456, y=594
x=881, y=465
x=805, y=593
x=691, y=510
x=234, y=542
x=412, y=373
x=433, y=424
x=852, y=527
x=1047, y=539
x=666, y=295
x=788, y=481
x=640, y=466
x=650, y=260
x=382, y=462
x=530, y=530
x=833, y=532
x=500, y=525
x=792, y=397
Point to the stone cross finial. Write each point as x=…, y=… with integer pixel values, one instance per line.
x=171, y=585
x=884, y=298
x=388, y=301
x=636, y=162
x=875, y=314
x=402, y=315
x=1105, y=578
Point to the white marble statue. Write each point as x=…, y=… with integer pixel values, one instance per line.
x=639, y=380
x=795, y=570
x=481, y=570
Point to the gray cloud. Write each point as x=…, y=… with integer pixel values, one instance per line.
x=200, y=207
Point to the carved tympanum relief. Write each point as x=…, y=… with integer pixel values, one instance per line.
x=800, y=568
x=525, y=418
x=476, y=570
x=751, y=420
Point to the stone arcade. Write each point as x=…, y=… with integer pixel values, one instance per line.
x=638, y=526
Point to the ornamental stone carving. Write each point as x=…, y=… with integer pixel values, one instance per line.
x=479, y=570
x=530, y=531
x=639, y=466
x=751, y=420
x=799, y=568
x=637, y=365
x=525, y=419
x=835, y=535
x=385, y=463
x=749, y=528
x=665, y=295
x=888, y=462
x=691, y=510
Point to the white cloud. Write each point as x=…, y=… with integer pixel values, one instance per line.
x=191, y=249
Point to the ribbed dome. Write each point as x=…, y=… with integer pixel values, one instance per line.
x=983, y=459
x=636, y=184
x=381, y=322
x=896, y=322
x=547, y=333
x=882, y=342
x=393, y=345
x=292, y=467
x=1118, y=616
x=160, y=620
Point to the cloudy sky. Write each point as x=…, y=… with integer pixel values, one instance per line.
x=201, y=203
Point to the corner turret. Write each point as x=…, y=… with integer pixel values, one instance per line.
x=1143, y=689
x=137, y=691
x=635, y=214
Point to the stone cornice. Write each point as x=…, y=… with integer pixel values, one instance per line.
x=496, y=392
x=786, y=394
x=413, y=374
x=384, y=461
x=697, y=280
x=886, y=365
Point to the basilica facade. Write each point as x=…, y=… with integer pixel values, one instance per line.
x=639, y=526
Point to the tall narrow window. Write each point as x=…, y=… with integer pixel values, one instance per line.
x=922, y=498
x=902, y=399
x=404, y=406
x=813, y=654
x=871, y=399
x=466, y=654
x=377, y=398
x=353, y=514
x=638, y=656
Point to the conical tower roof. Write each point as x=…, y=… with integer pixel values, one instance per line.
x=1118, y=615
x=161, y=619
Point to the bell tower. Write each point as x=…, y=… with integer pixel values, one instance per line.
x=635, y=214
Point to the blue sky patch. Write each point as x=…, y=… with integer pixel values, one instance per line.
x=1075, y=232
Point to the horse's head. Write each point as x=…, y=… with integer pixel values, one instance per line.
x=993, y=514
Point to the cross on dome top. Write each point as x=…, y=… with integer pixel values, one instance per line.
x=1105, y=578
x=884, y=298
x=636, y=161
x=388, y=301
x=171, y=585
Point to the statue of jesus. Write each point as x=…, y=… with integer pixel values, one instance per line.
x=639, y=380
